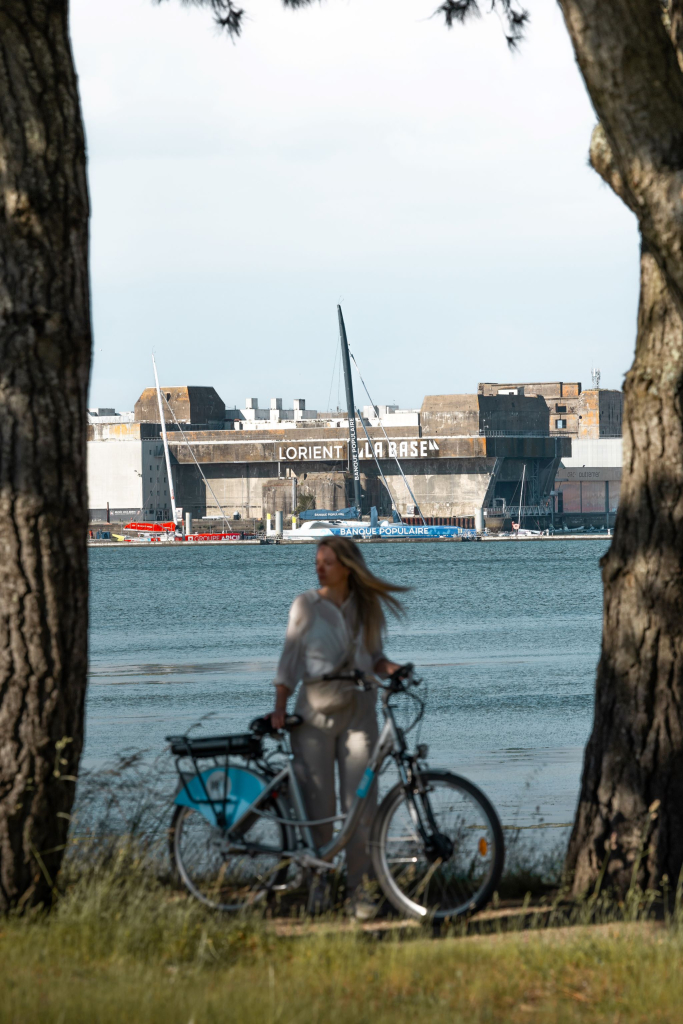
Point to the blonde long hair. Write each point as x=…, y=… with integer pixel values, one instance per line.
x=369, y=590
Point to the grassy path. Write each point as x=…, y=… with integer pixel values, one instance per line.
x=120, y=948
x=222, y=973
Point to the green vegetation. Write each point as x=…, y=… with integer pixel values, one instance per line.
x=305, y=503
x=120, y=946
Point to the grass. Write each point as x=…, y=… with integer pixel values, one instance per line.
x=121, y=947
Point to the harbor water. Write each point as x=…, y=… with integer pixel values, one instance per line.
x=505, y=636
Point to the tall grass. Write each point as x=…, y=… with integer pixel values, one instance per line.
x=122, y=945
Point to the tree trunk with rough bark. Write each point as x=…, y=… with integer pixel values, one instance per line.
x=630, y=815
x=44, y=369
x=629, y=826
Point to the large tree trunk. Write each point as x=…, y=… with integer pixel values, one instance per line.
x=630, y=816
x=44, y=368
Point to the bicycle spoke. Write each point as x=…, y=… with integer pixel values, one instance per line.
x=450, y=884
x=218, y=874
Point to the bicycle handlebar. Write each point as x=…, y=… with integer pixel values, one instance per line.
x=262, y=726
x=398, y=680
x=404, y=674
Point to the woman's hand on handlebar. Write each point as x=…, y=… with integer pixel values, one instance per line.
x=384, y=667
x=277, y=718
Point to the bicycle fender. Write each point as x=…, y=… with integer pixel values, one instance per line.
x=243, y=787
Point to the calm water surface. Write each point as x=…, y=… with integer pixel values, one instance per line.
x=506, y=636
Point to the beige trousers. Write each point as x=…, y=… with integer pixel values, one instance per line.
x=347, y=738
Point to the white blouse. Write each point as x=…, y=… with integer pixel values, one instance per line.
x=323, y=638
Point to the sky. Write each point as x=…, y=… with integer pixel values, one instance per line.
x=353, y=152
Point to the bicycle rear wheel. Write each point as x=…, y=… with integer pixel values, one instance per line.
x=220, y=874
x=459, y=872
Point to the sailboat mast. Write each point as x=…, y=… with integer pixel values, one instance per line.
x=521, y=497
x=354, y=466
x=163, y=434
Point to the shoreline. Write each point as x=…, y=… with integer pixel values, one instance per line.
x=360, y=540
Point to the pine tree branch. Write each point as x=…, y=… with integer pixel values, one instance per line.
x=226, y=14
x=514, y=18
x=229, y=16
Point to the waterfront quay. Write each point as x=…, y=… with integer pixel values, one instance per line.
x=496, y=538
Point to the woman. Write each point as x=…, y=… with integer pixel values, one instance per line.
x=336, y=628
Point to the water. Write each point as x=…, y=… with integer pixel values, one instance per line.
x=505, y=635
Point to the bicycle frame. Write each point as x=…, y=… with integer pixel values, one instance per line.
x=238, y=797
x=390, y=742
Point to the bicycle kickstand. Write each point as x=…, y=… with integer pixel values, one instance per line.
x=319, y=893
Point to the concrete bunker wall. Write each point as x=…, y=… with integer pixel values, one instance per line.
x=189, y=404
x=442, y=487
x=474, y=414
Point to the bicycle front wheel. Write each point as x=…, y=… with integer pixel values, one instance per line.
x=457, y=870
x=222, y=875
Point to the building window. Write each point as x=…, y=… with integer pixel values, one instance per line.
x=560, y=408
x=560, y=424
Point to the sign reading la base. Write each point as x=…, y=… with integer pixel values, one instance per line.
x=417, y=449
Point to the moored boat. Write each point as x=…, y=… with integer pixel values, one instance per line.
x=384, y=529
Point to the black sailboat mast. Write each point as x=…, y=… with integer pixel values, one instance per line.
x=354, y=466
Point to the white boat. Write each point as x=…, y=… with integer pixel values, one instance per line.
x=315, y=529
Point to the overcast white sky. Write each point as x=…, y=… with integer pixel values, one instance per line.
x=356, y=151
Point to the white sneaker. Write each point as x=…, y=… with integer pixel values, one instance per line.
x=364, y=910
x=362, y=907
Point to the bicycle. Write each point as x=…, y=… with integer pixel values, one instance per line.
x=240, y=836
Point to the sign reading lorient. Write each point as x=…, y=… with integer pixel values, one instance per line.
x=417, y=449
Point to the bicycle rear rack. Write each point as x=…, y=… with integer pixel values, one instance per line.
x=245, y=745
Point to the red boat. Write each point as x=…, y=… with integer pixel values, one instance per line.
x=151, y=527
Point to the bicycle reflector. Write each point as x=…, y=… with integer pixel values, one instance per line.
x=483, y=847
